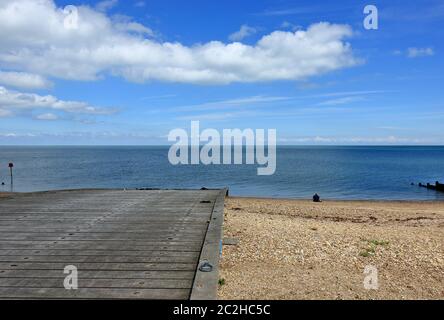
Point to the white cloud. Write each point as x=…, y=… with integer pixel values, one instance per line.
x=254, y=100
x=420, y=52
x=134, y=27
x=218, y=116
x=415, y=52
x=23, y=80
x=285, y=12
x=140, y=4
x=47, y=116
x=391, y=128
x=162, y=96
x=389, y=140
x=14, y=101
x=5, y=113
x=106, y=5
x=244, y=32
x=33, y=39
x=291, y=26
x=15, y=135
x=339, y=101
x=84, y=137
x=124, y=23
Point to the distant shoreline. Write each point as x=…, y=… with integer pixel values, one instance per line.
x=303, y=200
x=332, y=200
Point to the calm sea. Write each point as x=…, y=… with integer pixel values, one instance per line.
x=333, y=172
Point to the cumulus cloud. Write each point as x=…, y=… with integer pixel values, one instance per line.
x=23, y=80
x=243, y=32
x=12, y=102
x=420, y=52
x=33, y=39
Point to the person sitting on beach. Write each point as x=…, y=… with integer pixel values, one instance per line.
x=316, y=198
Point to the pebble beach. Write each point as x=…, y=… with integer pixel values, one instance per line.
x=297, y=249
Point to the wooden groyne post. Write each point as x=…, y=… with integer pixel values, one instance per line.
x=11, y=165
x=438, y=186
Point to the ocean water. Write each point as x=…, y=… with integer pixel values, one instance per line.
x=333, y=172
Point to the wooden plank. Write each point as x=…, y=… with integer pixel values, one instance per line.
x=105, y=246
x=102, y=274
x=157, y=266
x=97, y=283
x=114, y=229
x=108, y=242
x=92, y=293
x=80, y=258
x=171, y=237
x=97, y=253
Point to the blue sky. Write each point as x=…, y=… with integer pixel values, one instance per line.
x=133, y=70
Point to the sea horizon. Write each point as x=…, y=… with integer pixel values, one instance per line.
x=334, y=172
x=167, y=145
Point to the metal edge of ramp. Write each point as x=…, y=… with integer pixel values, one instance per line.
x=205, y=284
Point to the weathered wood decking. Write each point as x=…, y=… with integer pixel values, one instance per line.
x=125, y=244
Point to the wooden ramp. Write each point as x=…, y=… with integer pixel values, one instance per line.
x=124, y=244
